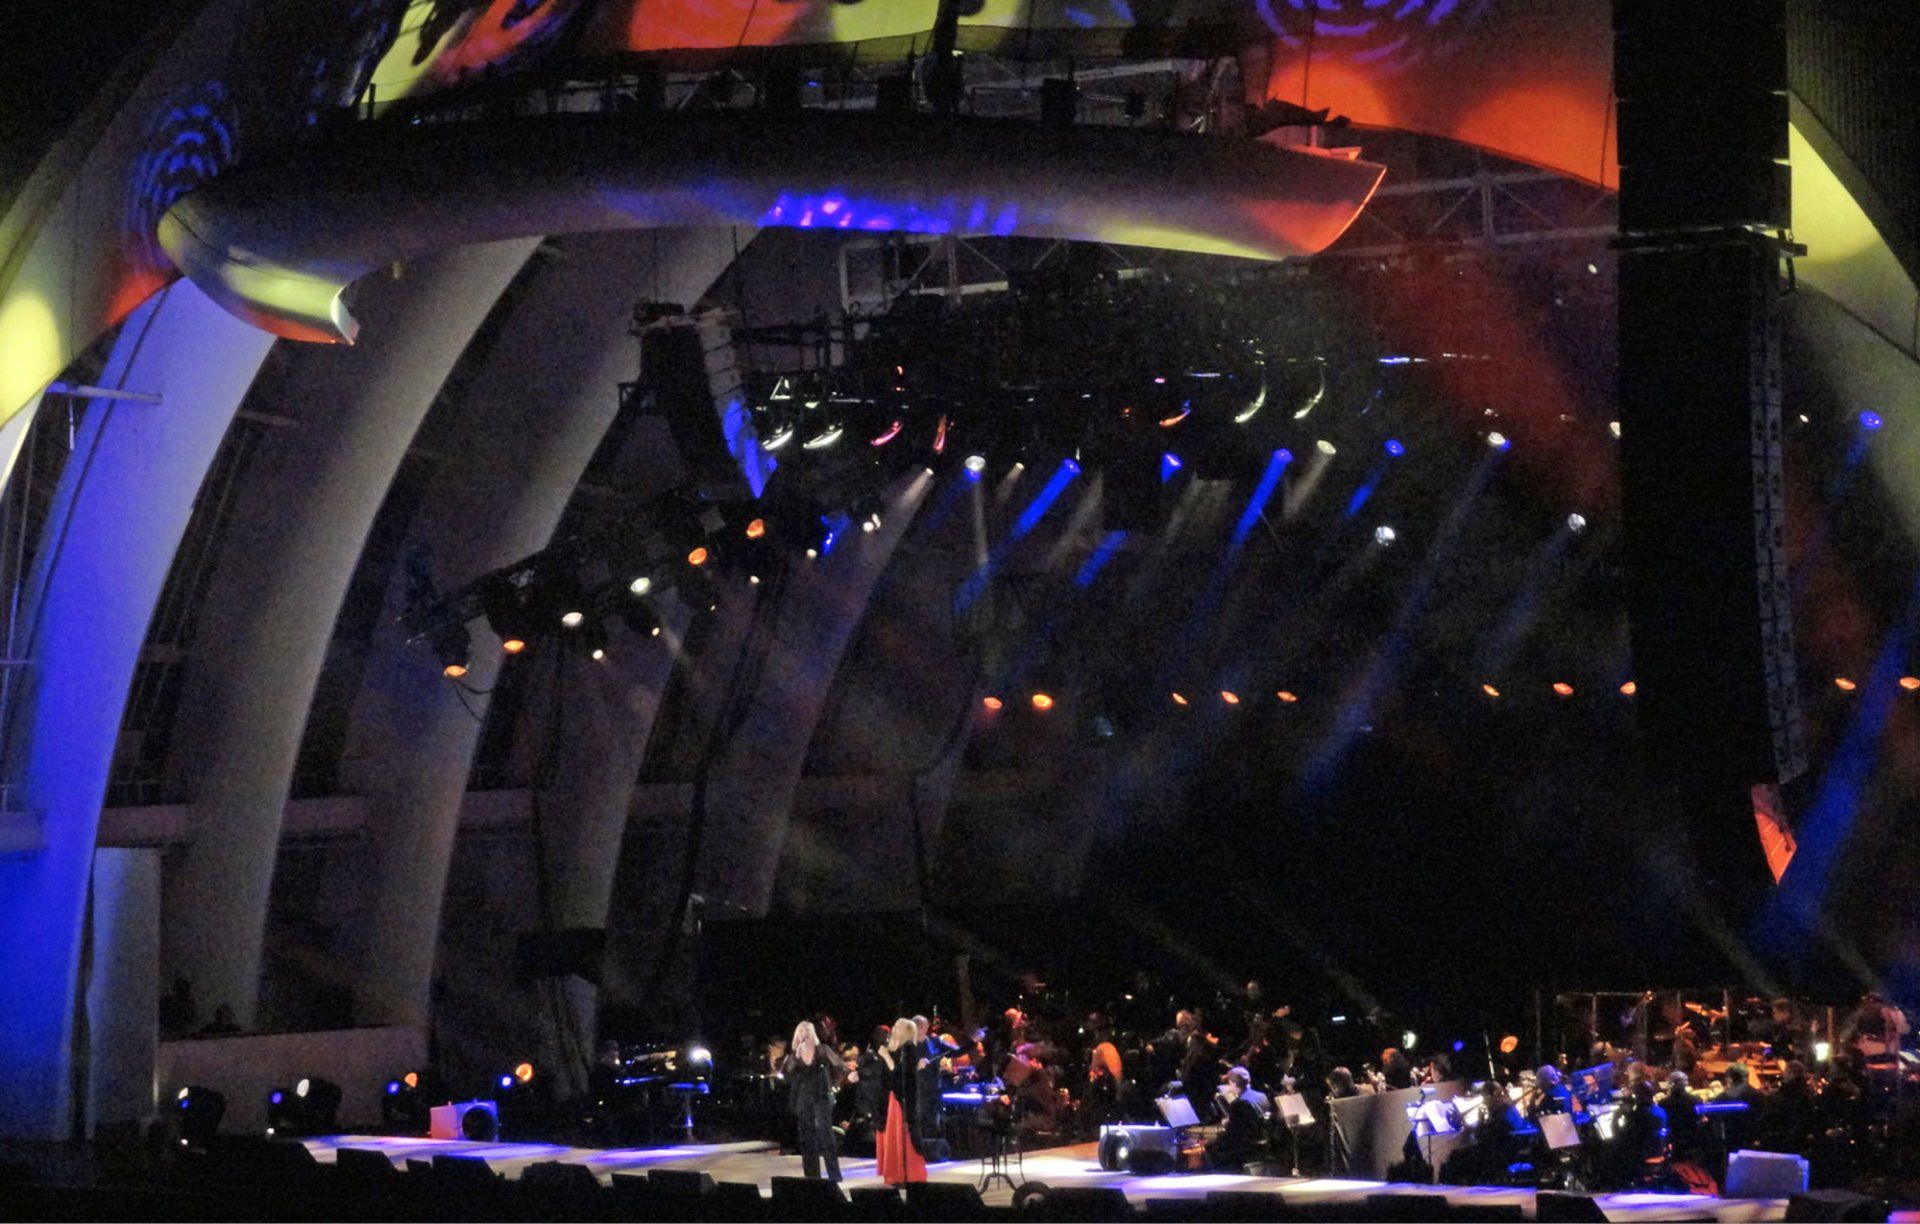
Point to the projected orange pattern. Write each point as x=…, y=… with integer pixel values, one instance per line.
x=1528, y=80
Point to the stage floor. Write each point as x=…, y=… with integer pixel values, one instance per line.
x=759, y=1163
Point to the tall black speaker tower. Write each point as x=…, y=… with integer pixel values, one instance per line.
x=1703, y=195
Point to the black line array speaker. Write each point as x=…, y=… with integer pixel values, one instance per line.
x=1701, y=87
x=1704, y=507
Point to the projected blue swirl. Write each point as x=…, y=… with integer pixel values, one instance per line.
x=948, y=216
x=192, y=138
x=1387, y=33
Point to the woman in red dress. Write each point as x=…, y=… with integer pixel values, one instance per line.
x=900, y=1161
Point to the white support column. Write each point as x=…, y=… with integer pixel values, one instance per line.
x=294, y=540
x=123, y=504
x=497, y=500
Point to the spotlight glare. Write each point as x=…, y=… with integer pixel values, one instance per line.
x=1629, y=689
x=756, y=529
x=303, y=1087
x=753, y=579
x=1042, y=702
x=1395, y=447
x=1844, y=685
x=598, y=654
x=514, y=645
x=1870, y=421
x=868, y=525
x=1576, y=523
x=1910, y=683
x=572, y=619
x=1287, y=697
x=823, y=441
x=812, y=553
x=1384, y=535
x=698, y=556
x=976, y=464
x=1613, y=427
x=1179, y=699
x=1230, y=697
x=640, y=585
x=1563, y=688
x=992, y=703
x=1498, y=441
x=1490, y=691
x=699, y=1054
x=453, y=671
x=524, y=1072
x=1325, y=447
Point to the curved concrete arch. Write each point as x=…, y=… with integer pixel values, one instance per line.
x=296, y=536
x=123, y=505
x=498, y=499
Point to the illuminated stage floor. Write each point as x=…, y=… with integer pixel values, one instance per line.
x=759, y=1163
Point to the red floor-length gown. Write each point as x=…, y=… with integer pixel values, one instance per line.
x=899, y=1162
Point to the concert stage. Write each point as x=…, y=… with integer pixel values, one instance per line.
x=759, y=1163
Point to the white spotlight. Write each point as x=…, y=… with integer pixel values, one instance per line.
x=1325, y=447
x=640, y=585
x=572, y=620
x=598, y=654
x=1576, y=523
x=1613, y=427
x=1384, y=535
x=868, y=525
x=1498, y=441
x=812, y=553
x=976, y=464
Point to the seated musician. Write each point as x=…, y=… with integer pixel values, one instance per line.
x=1341, y=1085
x=1241, y=1080
x=1645, y=1132
x=1550, y=1094
x=1783, y=1032
x=1245, y=1130
x=1683, y=1116
x=1396, y=1069
x=1874, y=1027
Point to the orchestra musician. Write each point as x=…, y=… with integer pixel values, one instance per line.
x=1874, y=1028
x=1549, y=1094
x=1103, y=1070
x=1245, y=1125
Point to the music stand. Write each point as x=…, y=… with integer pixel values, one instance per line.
x=1298, y=1116
x=1432, y=1117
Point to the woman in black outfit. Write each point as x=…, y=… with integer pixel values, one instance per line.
x=812, y=1071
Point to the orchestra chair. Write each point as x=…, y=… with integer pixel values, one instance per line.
x=809, y=1199
x=933, y=1200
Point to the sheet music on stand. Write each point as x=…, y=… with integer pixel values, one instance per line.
x=1295, y=1111
x=1177, y=1112
x=1560, y=1131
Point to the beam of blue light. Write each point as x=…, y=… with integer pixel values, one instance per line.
x=1098, y=561
x=1169, y=466
x=1383, y=667
x=1257, y=504
x=1795, y=910
x=1043, y=501
x=1365, y=492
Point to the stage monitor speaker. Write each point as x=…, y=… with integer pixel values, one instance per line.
x=560, y=1179
x=1248, y=1205
x=1408, y=1207
x=1765, y=1175
x=417, y=1166
x=680, y=1183
x=808, y=1198
x=737, y=1201
x=883, y=1203
x=1835, y=1205
x=1703, y=486
x=364, y=1165
x=942, y=1201
x=1552, y=1207
x=257, y=1159
x=1081, y=1204
x=466, y=1170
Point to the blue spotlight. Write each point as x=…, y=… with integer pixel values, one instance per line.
x=506, y=1081
x=1395, y=447
x=1870, y=421
x=1169, y=464
x=1262, y=493
x=393, y=1089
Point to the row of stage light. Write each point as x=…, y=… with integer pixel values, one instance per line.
x=311, y=1106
